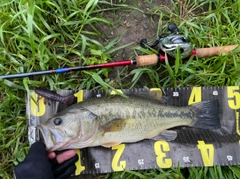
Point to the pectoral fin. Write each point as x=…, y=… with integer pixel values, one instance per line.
x=110, y=144
x=167, y=135
x=114, y=125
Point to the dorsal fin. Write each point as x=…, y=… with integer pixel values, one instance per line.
x=153, y=94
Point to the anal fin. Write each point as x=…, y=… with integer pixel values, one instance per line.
x=167, y=135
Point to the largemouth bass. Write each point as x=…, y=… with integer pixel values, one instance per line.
x=111, y=121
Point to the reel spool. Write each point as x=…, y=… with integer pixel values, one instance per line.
x=170, y=43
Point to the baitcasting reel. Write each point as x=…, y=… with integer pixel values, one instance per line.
x=170, y=43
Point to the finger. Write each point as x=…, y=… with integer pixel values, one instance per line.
x=65, y=156
x=37, y=150
x=54, y=163
x=67, y=173
x=60, y=157
x=51, y=155
x=64, y=167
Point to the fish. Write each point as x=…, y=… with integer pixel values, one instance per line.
x=109, y=121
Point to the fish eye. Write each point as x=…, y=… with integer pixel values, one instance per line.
x=57, y=121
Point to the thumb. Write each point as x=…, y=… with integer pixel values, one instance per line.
x=37, y=151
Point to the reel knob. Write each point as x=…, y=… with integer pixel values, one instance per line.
x=173, y=28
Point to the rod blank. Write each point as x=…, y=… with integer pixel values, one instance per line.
x=139, y=61
x=65, y=70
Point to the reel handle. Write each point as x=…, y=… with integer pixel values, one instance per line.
x=172, y=27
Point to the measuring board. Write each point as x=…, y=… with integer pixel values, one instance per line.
x=192, y=147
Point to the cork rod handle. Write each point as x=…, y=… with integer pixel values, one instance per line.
x=146, y=60
x=209, y=52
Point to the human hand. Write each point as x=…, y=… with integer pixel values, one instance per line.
x=40, y=165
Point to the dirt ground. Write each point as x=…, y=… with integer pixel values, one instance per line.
x=131, y=26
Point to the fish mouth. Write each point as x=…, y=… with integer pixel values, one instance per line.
x=52, y=138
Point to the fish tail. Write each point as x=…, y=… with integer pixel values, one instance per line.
x=206, y=115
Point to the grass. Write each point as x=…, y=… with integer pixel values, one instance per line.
x=43, y=34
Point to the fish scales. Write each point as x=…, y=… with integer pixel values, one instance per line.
x=111, y=121
x=143, y=120
x=118, y=107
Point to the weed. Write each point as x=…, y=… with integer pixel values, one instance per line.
x=41, y=35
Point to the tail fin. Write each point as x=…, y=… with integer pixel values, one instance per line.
x=206, y=115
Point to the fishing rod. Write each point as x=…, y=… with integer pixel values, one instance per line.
x=167, y=47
